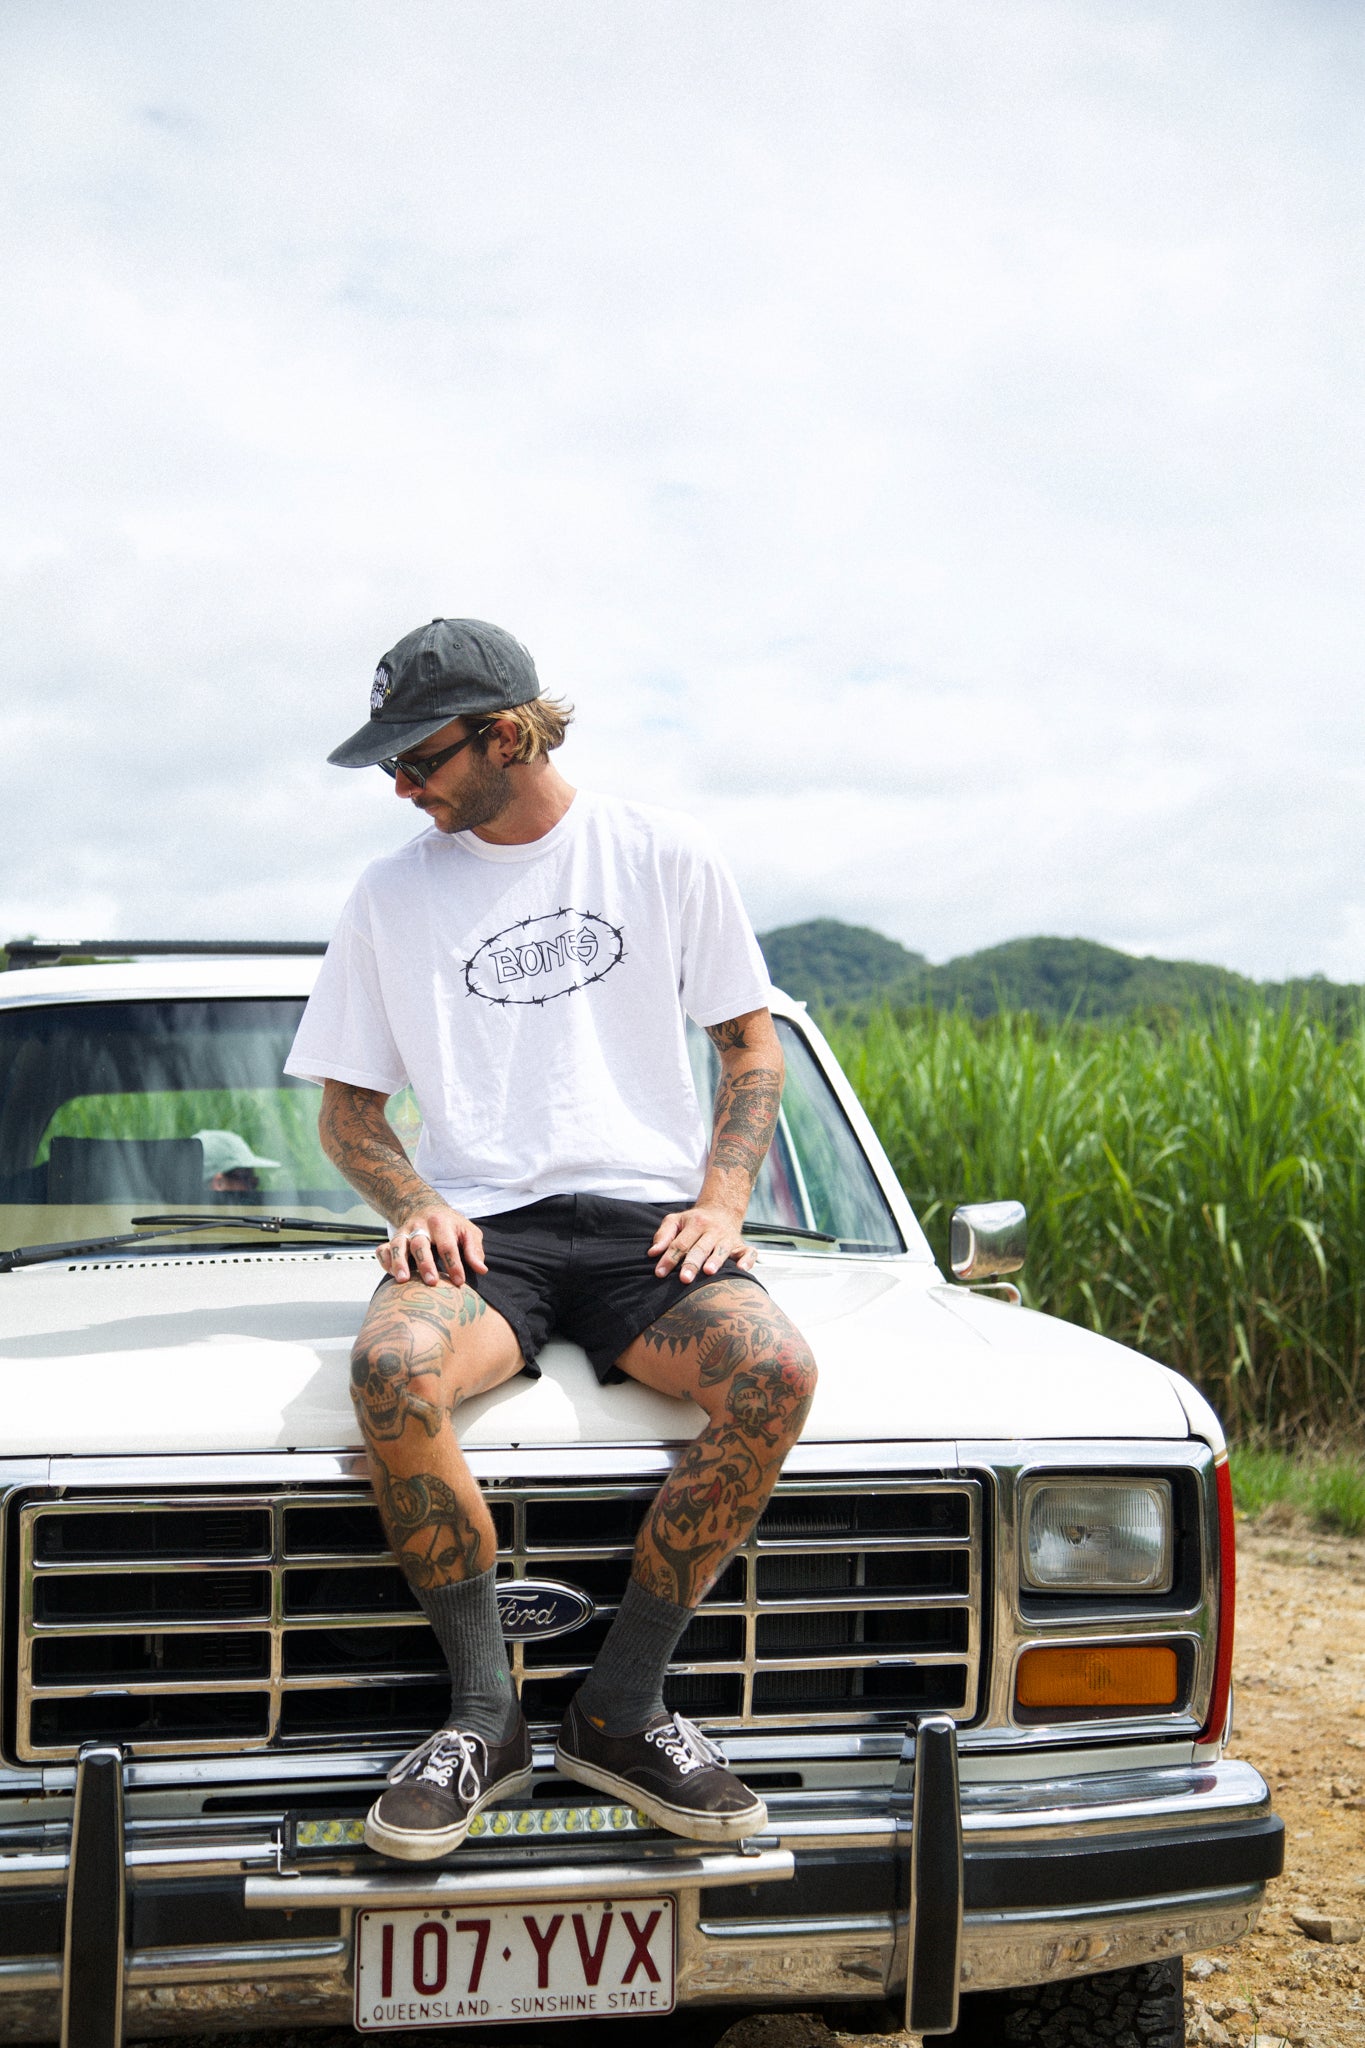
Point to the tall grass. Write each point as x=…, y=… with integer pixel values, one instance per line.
x=1331, y=1491
x=1195, y=1187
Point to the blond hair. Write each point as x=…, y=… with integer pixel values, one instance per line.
x=541, y=726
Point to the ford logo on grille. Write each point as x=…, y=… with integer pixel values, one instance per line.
x=540, y=1607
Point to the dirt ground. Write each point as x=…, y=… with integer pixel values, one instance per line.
x=1300, y=1718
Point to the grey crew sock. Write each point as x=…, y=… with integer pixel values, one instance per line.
x=625, y=1686
x=464, y=1615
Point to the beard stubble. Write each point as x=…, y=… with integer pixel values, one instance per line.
x=486, y=793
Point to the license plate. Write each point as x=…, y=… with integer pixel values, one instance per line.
x=438, y=1966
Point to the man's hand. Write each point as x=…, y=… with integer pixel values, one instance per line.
x=431, y=1238
x=700, y=1240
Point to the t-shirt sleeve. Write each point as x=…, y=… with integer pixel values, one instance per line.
x=344, y=1033
x=723, y=970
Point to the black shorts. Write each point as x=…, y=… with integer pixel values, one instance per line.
x=578, y=1266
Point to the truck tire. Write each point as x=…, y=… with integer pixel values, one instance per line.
x=1139, y=2008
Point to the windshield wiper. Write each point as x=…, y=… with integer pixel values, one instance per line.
x=789, y=1230
x=175, y=1226
x=237, y=1219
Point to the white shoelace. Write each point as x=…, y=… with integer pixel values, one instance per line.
x=434, y=1761
x=685, y=1746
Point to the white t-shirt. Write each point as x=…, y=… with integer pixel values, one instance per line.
x=534, y=996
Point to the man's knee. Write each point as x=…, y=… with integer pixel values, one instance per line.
x=421, y=1351
x=794, y=1361
x=770, y=1396
x=390, y=1387
x=375, y=1367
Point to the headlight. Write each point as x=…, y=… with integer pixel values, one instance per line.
x=1097, y=1535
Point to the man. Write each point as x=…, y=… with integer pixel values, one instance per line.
x=230, y=1165
x=525, y=965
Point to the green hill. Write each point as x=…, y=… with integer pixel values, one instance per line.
x=836, y=966
x=828, y=962
x=1059, y=977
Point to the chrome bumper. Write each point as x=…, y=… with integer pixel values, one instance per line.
x=746, y=1932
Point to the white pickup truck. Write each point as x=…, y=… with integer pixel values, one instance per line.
x=975, y=1656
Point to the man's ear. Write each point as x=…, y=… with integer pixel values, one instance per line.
x=503, y=734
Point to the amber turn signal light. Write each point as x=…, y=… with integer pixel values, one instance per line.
x=1107, y=1675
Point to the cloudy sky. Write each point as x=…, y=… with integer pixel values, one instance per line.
x=922, y=436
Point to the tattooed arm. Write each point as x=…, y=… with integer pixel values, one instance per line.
x=359, y=1139
x=702, y=1238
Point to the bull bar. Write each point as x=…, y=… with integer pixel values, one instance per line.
x=987, y=1886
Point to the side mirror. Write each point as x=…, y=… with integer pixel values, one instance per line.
x=987, y=1238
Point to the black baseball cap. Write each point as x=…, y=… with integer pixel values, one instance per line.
x=453, y=668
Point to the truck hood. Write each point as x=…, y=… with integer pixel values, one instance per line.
x=250, y=1351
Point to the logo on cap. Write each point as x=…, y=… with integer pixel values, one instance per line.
x=380, y=689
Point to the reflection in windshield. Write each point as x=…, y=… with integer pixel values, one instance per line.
x=135, y=1103
x=110, y=1107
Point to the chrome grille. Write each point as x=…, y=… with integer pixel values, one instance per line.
x=195, y=1624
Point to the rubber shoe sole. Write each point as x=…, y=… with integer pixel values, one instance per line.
x=427, y=1845
x=679, y=1820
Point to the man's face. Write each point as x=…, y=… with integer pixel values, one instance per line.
x=468, y=791
x=238, y=1180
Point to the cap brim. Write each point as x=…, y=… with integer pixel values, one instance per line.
x=378, y=738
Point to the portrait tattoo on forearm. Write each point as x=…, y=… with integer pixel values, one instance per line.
x=745, y=1118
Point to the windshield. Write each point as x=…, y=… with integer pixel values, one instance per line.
x=109, y=1108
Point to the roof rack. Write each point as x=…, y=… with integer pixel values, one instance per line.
x=48, y=952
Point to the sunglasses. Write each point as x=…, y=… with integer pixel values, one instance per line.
x=426, y=764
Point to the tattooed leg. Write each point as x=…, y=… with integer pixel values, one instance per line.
x=735, y=1354
x=420, y=1352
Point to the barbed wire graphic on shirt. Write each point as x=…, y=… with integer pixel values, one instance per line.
x=521, y=957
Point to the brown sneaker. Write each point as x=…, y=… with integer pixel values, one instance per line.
x=436, y=1790
x=668, y=1769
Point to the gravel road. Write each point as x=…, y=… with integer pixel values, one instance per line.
x=1300, y=1676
